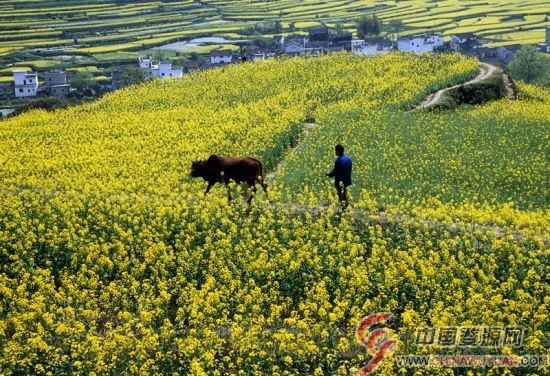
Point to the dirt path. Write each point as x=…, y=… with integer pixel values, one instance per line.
x=509, y=85
x=308, y=128
x=485, y=71
x=356, y=215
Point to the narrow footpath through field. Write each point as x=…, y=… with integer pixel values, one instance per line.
x=485, y=72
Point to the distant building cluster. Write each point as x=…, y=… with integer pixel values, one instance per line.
x=420, y=44
x=160, y=69
x=26, y=84
x=317, y=41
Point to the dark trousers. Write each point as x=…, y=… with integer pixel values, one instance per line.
x=342, y=193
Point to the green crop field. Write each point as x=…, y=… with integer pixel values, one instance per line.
x=33, y=29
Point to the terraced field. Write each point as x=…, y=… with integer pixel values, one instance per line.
x=103, y=30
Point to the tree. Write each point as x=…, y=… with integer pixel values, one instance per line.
x=82, y=80
x=158, y=55
x=179, y=60
x=133, y=76
x=529, y=65
x=368, y=26
x=395, y=26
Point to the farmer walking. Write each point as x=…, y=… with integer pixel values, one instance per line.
x=341, y=174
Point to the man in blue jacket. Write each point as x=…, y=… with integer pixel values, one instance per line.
x=341, y=174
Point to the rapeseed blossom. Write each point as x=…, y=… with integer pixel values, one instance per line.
x=113, y=263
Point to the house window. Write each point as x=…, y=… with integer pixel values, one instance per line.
x=20, y=90
x=163, y=74
x=24, y=82
x=29, y=90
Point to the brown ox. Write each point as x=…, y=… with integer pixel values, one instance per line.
x=223, y=169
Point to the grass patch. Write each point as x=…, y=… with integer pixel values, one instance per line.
x=40, y=64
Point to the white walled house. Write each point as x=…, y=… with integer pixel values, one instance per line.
x=165, y=70
x=356, y=43
x=361, y=47
x=420, y=44
x=26, y=83
x=161, y=69
x=147, y=63
x=294, y=44
x=221, y=57
x=294, y=47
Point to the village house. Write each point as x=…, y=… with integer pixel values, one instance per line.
x=26, y=83
x=278, y=42
x=545, y=46
x=318, y=36
x=221, y=57
x=508, y=53
x=55, y=81
x=465, y=42
x=293, y=46
x=162, y=69
x=362, y=47
x=165, y=70
x=261, y=54
x=192, y=66
x=147, y=63
x=116, y=80
x=420, y=44
x=341, y=41
x=486, y=53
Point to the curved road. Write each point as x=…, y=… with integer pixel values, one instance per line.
x=485, y=71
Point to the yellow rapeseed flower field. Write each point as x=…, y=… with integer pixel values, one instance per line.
x=113, y=263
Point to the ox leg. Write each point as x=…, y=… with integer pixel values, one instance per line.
x=210, y=185
x=228, y=190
